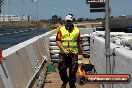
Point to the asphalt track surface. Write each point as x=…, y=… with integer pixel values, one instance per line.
x=10, y=36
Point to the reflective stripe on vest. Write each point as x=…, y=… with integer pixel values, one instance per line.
x=70, y=46
x=69, y=40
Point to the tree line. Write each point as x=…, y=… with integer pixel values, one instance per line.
x=57, y=19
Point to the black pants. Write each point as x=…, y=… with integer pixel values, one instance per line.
x=71, y=61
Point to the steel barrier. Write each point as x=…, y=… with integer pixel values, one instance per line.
x=26, y=63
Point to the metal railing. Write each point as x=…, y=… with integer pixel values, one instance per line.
x=26, y=63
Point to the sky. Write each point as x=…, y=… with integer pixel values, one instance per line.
x=45, y=9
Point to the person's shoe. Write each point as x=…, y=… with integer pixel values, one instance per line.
x=63, y=85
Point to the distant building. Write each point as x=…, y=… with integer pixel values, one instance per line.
x=94, y=1
x=15, y=18
x=129, y=16
x=121, y=22
x=123, y=16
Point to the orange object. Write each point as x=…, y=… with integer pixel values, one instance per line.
x=1, y=57
x=81, y=72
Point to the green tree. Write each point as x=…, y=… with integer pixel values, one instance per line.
x=80, y=19
x=56, y=19
x=86, y=19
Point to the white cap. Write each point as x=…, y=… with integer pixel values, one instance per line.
x=68, y=17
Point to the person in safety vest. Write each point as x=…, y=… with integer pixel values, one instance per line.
x=69, y=41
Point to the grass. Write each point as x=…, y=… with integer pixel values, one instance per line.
x=26, y=24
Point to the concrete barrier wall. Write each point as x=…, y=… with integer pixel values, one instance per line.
x=97, y=56
x=86, y=30
x=25, y=63
x=121, y=63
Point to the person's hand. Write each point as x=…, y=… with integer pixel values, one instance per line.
x=85, y=55
x=66, y=52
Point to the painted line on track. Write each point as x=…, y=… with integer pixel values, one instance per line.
x=15, y=32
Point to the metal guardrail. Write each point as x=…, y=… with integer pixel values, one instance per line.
x=25, y=64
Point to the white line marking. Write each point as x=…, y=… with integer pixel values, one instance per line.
x=7, y=33
x=1, y=34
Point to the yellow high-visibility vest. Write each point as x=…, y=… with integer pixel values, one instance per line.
x=69, y=40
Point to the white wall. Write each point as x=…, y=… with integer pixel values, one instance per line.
x=123, y=59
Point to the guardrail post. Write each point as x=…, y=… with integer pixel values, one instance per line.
x=107, y=39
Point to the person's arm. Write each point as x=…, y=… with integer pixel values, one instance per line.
x=81, y=50
x=58, y=41
x=79, y=42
